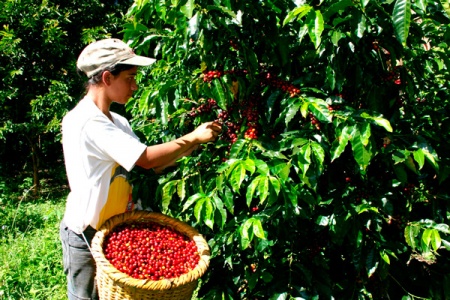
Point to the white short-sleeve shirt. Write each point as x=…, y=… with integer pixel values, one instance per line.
x=98, y=155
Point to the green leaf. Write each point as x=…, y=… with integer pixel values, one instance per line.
x=331, y=76
x=401, y=19
x=298, y=12
x=188, y=8
x=161, y=8
x=409, y=162
x=228, y=199
x=400, y=172
x=251, y=58
x=411, y=232
x=446, y=6
x=362, y=26
x=181, y=189
x=365, y=207
x=419, y=157
x=198, y=208
x=292, y=111
x=229, y=166
x=431, y=157
x=208, y=215
x=304, y=154
x=204, y=211
x=435, y=239
x=336, y=7
x=304, y=158
x=237, y=176
x=362, y=154
x=167, y=191
x=400, y=156
x=162, y=110
x=263, y=189
x=335, y=38
x=365, y=133
x=193, y=25
x=446, y=244
x=280, y=296
x=257, y=228
x=322, y=220
x=218, y=203
x=306, y=196
x=298, y=142
x=304, y=109
x=385, y=257
x=341, y=141
x=426, y=236
x=371, y=262
x=251, y=189
x=379, y=121
x=237, y=147
x=219, y=94
x=315, y=26
x=444, y=228
x=249, y=165
x=276, y=185
x=244, y=242
x=220, y=181
x=320, y=110
x=192, y=199
x=246, y=234
x=261, y=167
x=319, y=152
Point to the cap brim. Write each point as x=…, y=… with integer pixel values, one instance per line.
x=138, y=61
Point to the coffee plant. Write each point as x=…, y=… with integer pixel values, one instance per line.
x=330, y=177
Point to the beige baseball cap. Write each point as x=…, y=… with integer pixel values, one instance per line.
x=106, y=53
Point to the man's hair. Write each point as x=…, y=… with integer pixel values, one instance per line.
x=114, y=70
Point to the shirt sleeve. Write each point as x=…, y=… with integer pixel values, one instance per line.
x=106, y=141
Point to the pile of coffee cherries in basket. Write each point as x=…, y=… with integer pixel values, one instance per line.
x=148, y=250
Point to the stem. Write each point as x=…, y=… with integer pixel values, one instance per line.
x=413, y=296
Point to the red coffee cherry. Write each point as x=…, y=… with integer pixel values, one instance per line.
x=147, y=250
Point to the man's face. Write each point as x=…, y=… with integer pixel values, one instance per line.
x=123, y=85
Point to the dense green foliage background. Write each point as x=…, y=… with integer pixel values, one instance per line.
x=330, y=178
x=39, y=44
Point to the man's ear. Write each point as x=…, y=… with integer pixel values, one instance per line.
x=106, y=77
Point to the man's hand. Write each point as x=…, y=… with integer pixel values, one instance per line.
x=207, y=132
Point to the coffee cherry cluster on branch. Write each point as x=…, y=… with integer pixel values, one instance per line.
x=251, y=114
x=209, y=75
x=393, y=76
x=272, y=80
x=314, y=121
x=232, y=129
x=244, y=114
x=267, y=79
x=204, y=108
x=147, y=250
x=238, y=115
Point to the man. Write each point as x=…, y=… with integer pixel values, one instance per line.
x=100, y=149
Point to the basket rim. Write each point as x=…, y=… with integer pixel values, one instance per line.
x=103, y=264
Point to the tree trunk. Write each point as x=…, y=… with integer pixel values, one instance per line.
x=35, y=159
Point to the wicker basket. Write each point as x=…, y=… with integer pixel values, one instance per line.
x=114, y=285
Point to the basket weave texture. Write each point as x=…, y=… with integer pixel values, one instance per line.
x=115, y=285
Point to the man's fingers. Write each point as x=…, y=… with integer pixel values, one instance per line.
x=216, y=126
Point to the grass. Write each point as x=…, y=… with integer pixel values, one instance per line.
x=30, y=250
